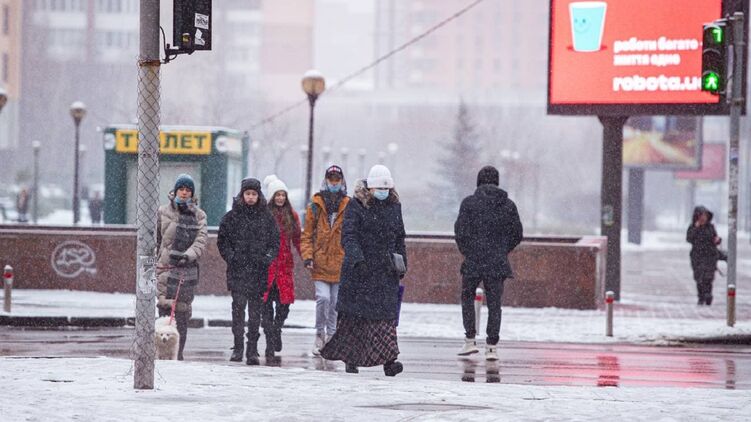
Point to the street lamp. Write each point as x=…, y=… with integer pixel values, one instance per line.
x=77, y=111
x=313, y=84
x=35, y=146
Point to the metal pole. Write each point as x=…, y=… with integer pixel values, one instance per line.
x=309, y=174
x=611, y=191
x=8, y=287
x=635, y=205
x=76, y=193
x=731, y=305
x=35, y=197
x=148, y=192
x=479, y=298
x=736, y=104
x=609, y=307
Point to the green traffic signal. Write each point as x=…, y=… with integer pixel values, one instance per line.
x=710, y=82
x=718, y=35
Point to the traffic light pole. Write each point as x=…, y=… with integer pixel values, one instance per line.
x=736, y=103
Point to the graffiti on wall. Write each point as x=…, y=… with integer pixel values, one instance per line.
x=73, y=258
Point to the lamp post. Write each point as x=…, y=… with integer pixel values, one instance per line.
x=313, y=84
x=77, y=111
x=36, y=146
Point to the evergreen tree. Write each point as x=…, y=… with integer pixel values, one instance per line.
x=456, y=174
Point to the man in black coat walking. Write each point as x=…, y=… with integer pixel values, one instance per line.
x=248, y=241
x=487, y=229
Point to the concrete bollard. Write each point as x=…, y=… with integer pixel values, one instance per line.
x=7, y=287
x=609, y=296
x=731, y=305
x=479, y=298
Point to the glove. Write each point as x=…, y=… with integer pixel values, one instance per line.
x=308, y=264
x=180, y=259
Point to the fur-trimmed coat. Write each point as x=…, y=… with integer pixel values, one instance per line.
x=372, y=231
x=168, y=224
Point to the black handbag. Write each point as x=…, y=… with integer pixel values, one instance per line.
x=397, y=264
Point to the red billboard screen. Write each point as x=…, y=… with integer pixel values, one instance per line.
x=628, y=55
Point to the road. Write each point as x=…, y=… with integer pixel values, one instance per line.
x=520, y=362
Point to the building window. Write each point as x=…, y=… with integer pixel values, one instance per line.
x=6, y=19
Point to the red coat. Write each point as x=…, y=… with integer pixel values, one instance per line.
x=282, y=269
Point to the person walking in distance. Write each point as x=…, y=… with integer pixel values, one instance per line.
x=322, y=250
x=248, y=241
x=374, y=262
x=487, y=229
x=181, y=240
x=280, y=292
x=702, y=236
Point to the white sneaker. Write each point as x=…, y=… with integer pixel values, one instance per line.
x=318, y=345
x=470, y=347
x=490, y=352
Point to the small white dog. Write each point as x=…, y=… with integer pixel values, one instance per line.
x=166, y=339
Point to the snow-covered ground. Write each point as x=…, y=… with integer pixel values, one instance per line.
x=101, y=389
x=421, y=320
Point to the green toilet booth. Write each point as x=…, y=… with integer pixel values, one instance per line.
x=213, y=156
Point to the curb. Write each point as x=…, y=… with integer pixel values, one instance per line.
x=101, y=322
x=730, y=340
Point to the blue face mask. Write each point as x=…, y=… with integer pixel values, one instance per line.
x=334, y=188
x=179, y=201
x=381, y=194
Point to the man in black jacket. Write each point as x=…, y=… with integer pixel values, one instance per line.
x=487, y=229
x=248, y=241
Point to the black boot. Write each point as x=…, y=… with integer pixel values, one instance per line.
x=270, y=342
x=251, y=353
x=181, y=319
x=237, y=351
x=278, y=340
x=393, y=368
x=350, y=368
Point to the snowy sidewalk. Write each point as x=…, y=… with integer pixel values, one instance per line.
x=648, y=325
x=101, y=389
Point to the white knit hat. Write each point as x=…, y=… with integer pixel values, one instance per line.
x=379, y=177
x=275, y=186
x=267, y=181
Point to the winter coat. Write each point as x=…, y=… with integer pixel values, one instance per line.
x=281, y=270
x=248, y=241
x=487, y=229
x=704, y=253
x=372, y=231
x=176, y=227
x=321, y=240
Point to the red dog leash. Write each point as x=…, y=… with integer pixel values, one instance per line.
x=177, y=293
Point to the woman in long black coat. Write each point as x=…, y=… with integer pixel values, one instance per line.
x=704, y=252
x=368, y=295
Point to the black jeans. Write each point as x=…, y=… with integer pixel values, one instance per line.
x=493, y=294
x=253, y=302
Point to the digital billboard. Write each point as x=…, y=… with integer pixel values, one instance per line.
x=661, y=143
x=625, y=57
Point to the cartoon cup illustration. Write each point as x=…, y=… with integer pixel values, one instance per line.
x=587, y=24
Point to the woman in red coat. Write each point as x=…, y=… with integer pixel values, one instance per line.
x=281, y=285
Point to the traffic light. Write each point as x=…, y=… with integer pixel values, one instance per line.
x=714, y=57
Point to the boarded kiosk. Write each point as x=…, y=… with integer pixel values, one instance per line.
x=213, y=156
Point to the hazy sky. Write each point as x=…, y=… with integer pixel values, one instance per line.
x=343, y=39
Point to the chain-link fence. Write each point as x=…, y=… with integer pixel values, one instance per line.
x=146, y=217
